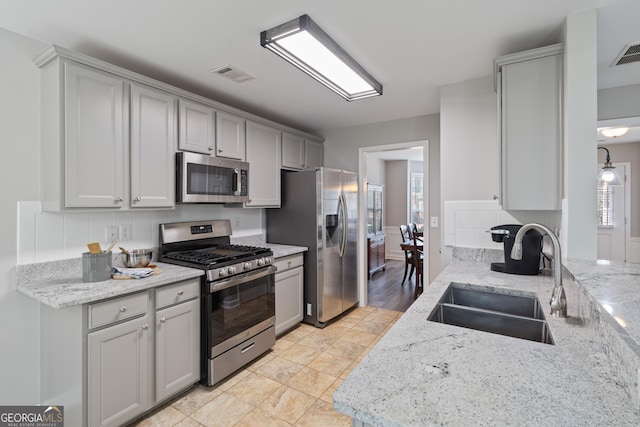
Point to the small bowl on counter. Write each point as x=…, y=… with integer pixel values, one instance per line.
x=136, y=258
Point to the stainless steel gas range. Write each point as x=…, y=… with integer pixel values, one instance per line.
x=238, y=300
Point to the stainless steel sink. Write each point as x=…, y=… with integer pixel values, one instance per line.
x=493, y=311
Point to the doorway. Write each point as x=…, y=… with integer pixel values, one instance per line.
x=614, y=228
x=386, y=150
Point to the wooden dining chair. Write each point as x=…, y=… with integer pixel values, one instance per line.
x=417, y=264
x=409, y=265
x=405, y=231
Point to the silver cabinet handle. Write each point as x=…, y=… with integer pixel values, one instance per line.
x=180, y=293
x=120, y=199
x=219, y=150
x=145, y=327
x=137, y=199
x=163, y=319
x=211, y=148
x=123, y=309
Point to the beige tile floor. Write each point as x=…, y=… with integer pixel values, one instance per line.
x=291, y=385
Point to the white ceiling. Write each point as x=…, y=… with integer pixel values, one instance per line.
x=411, y=46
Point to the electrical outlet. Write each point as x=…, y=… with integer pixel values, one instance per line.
x=112, y=233
x=236, y=222
x=125, y=232
x=434, y=222
x=308, y=309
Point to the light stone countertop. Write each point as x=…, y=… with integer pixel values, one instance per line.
x=59, y=284
x=423, y=373
x=279, y=251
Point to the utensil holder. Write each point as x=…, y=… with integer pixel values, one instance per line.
x=96, y=267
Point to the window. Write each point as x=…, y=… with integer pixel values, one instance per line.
x=605, y=204
x=416, y=208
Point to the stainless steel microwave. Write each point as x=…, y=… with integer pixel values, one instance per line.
x=207, y=179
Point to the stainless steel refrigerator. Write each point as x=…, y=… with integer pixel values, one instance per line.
x=319, y=210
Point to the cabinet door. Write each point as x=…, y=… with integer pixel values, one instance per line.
x=230, y=136
x=177, y=348
x=531, y=133
x=313, y=154
x=263, y=155
x=94, y=138
x=119, y=372
x=152, y=148
x=289, y=299
x=196, y=123
x=292, y=151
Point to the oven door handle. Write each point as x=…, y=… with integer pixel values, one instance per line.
x=242, y=278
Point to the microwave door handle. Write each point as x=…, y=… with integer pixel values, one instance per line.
x=237, y=183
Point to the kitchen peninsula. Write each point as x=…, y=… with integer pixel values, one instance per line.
x=423, y=373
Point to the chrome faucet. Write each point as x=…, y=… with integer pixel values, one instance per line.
x=558, y=298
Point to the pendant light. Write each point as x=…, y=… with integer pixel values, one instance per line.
x=608, y=173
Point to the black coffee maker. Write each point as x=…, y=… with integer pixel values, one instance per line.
x=531, y=250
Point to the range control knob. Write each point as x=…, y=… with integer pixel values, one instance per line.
x=222, y=272
x=231, y=270
x=246, y=265
x=268, y=260
x=260, y=262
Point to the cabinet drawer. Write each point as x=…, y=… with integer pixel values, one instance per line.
x=114, y=310
x=181, y=291
x=288, y=262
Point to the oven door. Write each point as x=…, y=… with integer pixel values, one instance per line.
x=238, y=308
x=207, y=179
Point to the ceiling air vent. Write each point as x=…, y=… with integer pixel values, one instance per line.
x=630, y=53
x=232, y=73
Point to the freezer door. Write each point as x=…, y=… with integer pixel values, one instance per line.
x=349, y=260
x=330, y=287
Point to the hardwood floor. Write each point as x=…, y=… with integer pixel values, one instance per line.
x=385, y=290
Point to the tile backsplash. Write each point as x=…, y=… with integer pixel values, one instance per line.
x=466, y=222
x=49, y=236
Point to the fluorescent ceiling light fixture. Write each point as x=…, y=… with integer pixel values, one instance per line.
x=614, y=132
x=305, y=45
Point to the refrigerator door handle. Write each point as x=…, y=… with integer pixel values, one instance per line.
x=345, y=222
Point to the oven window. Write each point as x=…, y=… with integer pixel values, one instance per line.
x=209, y=180
x=240, y=307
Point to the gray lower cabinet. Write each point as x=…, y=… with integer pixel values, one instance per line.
x=121, y=357
x=110, y=361
x=118, y=372
x=289, y=282
x=177, y=348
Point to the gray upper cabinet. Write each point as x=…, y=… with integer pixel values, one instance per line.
x=299, y=153
x=94, y=145
x=313, y=154
x=110, y=136
x=292, y=151
x=529, y=86
x=153, y=144
x=230, y=136
x=263, y=154
x=197, y=127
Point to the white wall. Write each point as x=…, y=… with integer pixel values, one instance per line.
x=20, y=177
x=579, y=237
x=619, y=102
x=396, y=192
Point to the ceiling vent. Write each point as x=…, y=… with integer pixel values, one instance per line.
x=630, y=53
x=232, y=73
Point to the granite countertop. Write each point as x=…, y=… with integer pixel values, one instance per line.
x=279, y=250
x=423, y=373
x=59, y=283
